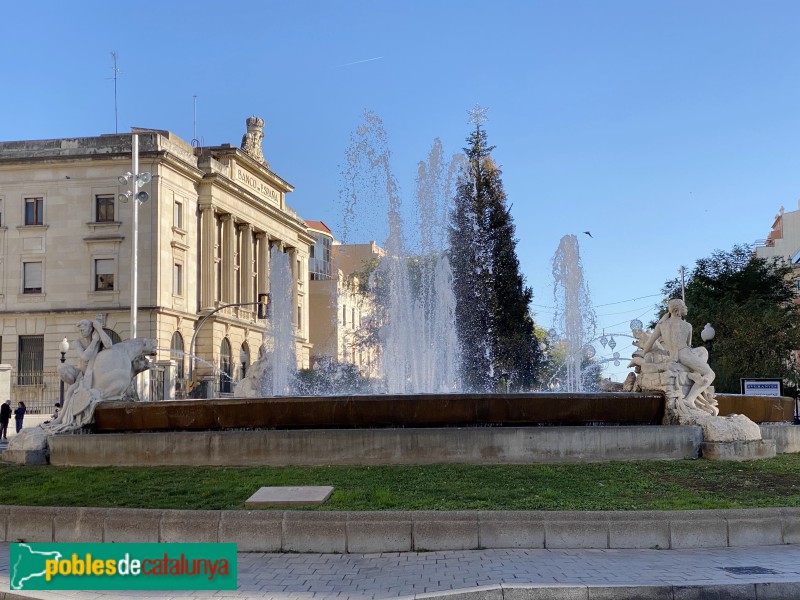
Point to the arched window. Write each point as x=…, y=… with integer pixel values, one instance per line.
x=244, y=360
x=115, y=339
x=225, y=367
x=176, y=353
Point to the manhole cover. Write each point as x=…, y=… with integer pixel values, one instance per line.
x=749, y=570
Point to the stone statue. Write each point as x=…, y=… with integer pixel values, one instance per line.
x=260, y=372
x=665, y=361
x=676, y=335
x=104, y=372
x=93, y=339
x=251, y=141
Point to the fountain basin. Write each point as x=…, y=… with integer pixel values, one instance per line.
x=352, y=412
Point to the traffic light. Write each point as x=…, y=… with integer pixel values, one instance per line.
x=263, y=306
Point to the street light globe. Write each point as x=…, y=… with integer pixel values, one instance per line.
x=708, y=333
x=63, y=346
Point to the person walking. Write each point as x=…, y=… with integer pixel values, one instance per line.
x=19, y=414
x=5, y=417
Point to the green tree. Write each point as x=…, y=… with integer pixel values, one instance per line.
x=492, y=301
x=751, y=303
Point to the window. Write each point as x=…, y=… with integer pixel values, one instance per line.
x=177, y=279
x=103, y=274
x=32, y=278
x=177, y=215
x=30, y=360
x=115, y=339
x=34, y=211
x=344, y=316
x=177, y=354
x=225, y=367
x=300, y=317
x=353, y=317
x=104, y=208
x=299, y=271
x=319, y=263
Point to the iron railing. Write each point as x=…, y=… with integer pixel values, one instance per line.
x=39, y=391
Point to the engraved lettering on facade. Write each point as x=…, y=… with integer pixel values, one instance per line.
x=258, y=186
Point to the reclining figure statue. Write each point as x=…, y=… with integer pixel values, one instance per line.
x=104, y=372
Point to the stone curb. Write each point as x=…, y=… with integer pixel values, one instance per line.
x=409, y=531
x=759, y=591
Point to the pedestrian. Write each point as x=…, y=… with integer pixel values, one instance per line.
x=5, y=417
x=19, y=414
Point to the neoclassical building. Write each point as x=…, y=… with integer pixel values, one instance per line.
x=204, y=240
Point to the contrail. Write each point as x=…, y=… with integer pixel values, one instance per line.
x=358, y=62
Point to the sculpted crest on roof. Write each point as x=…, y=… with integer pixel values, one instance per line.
x=251, y=141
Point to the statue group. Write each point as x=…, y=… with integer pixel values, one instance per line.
x=666, y=362
x=104, y=372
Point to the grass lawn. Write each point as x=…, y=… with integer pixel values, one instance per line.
x=667, y=485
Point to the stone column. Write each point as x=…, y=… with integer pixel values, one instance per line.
x=246, y=264
x=295, y=274
x=5, y=384
x=263, y=263
x=228, y=252
x=208, y=269
x=170, y=368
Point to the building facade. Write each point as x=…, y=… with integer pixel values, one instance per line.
x=342, y=313
x=205, y=235
x=783, y=240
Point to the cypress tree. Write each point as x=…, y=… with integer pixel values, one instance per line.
x=492, y=301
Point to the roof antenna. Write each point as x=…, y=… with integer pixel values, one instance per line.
x=195, y=141
x=116, y=73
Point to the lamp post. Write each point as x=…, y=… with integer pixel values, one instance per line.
x=707, y=335
x=62, y=347
x=244, y=359
x=136, y=180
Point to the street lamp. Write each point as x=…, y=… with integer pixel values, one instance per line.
x=62, y=347
x=707, y=335
x=136, y=180
x=244, y=360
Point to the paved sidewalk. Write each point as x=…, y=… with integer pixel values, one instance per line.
x=553, y=574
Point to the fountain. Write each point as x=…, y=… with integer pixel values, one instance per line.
x=416, y=305
x=414, y=302
x=273, y=372
x=422, y=415
x=574, y=315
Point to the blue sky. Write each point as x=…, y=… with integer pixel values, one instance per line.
x=668, y=129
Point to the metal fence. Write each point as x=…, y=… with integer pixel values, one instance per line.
x=39, y=391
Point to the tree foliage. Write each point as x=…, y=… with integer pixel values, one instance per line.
x=495, y=328
x=751, y=303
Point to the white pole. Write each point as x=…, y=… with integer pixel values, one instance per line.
x=683, y=284
x=135, y=251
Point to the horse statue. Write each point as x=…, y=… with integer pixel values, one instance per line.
x=115, y=368
x=113, y=371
